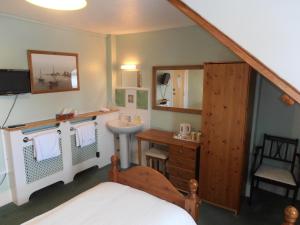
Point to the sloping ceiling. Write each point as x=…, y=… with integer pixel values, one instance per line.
x=104, y=16
x=265, y=34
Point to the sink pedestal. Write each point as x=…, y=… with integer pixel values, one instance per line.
x=124, y=129
x=124, y=150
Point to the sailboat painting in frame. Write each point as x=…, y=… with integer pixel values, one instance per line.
x=53, y=71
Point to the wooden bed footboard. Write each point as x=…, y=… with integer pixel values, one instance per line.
x=153, y=182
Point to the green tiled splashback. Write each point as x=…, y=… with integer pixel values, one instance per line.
x=120, y=97
x=141, y=99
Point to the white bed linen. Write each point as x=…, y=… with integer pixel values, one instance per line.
x=114, y=204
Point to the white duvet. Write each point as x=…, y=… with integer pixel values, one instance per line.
x=114, y=204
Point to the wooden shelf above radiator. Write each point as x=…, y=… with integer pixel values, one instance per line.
x=54, y=121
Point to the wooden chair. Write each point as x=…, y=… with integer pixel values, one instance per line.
x=290, y=215
x=280, y=150
x=157, y=159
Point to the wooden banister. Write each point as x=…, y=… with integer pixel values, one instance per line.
x=290, y=215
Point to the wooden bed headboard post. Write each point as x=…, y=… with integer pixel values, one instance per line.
x=290, y=215
x=113, y=174
x=192, y=201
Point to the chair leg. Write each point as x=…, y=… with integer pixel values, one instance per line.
x=251, y=190
x=164, y=167
x=152, y=163
x=148, y=161
x=287, y=192
x=257, y=183
x=151, y=145
x=158, y=165
x=295, y=195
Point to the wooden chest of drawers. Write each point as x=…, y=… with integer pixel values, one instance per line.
x=182, y=166
x=184, y=156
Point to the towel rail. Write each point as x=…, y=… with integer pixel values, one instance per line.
x=73, y=128
x=26, y=139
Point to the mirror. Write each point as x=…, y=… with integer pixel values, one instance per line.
x=131, y=78
x=178, y=88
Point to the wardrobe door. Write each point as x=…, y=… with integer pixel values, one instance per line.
x=224, y=127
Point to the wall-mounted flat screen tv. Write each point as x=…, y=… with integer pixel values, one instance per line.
x=164, y=78
x=14, y=82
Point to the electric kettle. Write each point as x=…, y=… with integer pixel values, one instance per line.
x=185, y=129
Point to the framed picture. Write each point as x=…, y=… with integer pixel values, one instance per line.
x=53, y=71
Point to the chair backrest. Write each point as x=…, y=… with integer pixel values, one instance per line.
x=280, y=149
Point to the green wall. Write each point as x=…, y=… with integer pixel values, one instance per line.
x=111, y=68
x=5, y=186
x=180, y=46
x=275, y=118
x=17, y=36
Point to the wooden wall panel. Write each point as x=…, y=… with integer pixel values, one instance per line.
x=225, y=110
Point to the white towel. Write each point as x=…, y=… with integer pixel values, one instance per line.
x=85, y=135
x=46, y=146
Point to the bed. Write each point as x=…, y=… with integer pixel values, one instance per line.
x=137, y=196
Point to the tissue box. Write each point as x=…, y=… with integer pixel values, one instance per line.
x=66, y=116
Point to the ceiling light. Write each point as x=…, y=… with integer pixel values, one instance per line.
x=60, y=4
x=128, y=67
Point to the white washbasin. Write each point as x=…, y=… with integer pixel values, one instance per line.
x=123, y=127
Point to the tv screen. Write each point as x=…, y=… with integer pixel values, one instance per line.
x=164, y=79
x=14, y=82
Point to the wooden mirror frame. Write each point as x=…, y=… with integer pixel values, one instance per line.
x=154, y=84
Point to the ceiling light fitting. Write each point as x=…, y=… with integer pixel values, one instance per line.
x=128, y=67
x=67, y=5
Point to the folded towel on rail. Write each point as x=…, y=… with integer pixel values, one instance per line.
x=85, y=135
x=46, y=146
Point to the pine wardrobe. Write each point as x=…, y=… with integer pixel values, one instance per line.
x=226, y=116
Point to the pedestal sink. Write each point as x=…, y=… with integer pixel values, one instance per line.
x=124, y=129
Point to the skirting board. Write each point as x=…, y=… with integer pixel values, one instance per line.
x=5, y=198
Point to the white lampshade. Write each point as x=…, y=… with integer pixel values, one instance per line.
x=128, y=67
x=60, y=4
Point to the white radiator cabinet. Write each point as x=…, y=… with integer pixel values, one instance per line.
x=106, y=145
x=22, y=189
x=27, y=176
x=83, y=158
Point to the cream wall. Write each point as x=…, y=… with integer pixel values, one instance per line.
x=266, y=29
x=17, y=36
x=181, y=46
